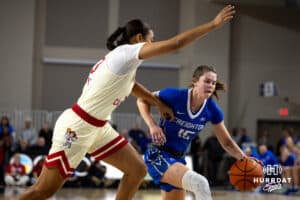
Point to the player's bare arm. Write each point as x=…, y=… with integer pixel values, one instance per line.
x=227, y=142
x=140, y=91
x=156, y=132
x=181, y=40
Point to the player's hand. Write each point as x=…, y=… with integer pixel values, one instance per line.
x=224, y=15
x=258, y=161
x=158, y=136
x=253, y=158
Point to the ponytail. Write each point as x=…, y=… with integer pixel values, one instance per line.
x=123, y=34
x=110, y=43
x=219, y=87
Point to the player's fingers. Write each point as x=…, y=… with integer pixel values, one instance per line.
x=228, y=7
x=258, y=161
x=229, y=13
x=228, y=18
x=156, y=139
x=164, y=139
x=161, y=138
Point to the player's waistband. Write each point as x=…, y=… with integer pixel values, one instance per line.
x=87, y=117
x=171, y=151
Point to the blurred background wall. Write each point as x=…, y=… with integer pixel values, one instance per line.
x=48, y=46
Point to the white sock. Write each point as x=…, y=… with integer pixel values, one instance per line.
x=198, y=184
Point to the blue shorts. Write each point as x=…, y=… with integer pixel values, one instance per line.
x=158, y=162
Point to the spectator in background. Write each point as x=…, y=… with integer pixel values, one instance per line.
x=266, y=156
x=235, y=136
x=215, y=153
x=39, y=148
x=37, y=169
x=22, y=147
x=96, y=174
x=7, y=144
x=285, y=140
x=264, y=139
x=287, y=159
x=250, y=152
x=244, y=137
x=139, y=137
x=270, y=163
x=15, y=174
x=5, y=123
x=28, y=136
x=2, y=166
x=196, y=151
x=296, y=167
x=46, y=132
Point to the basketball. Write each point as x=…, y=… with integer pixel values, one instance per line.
x=245, y=174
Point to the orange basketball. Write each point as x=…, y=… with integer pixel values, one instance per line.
x=245, y=174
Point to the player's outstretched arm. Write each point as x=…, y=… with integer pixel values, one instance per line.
x=227, y=142
x=183, y=39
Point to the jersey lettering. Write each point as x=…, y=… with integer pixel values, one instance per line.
x=95, y=67
x=118, y=101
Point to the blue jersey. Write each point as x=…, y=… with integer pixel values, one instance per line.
x=180, y=132
x=186, y=125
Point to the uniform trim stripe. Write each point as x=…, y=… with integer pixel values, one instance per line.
x=87, y=117
x=112, y=151
x=59, y=160
x=110, y=148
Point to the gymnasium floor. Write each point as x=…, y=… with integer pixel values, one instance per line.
x=109, y=194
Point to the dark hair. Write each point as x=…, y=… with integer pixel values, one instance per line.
x=123, y=34
x=4, y=117
x=200, y=70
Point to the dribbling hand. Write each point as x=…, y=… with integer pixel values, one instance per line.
x=256, y=160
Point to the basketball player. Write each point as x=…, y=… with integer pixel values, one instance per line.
x=83, y=128
x=193, y=108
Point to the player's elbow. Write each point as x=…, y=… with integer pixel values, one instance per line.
x=176, y=43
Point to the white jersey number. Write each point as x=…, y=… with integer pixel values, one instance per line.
x=185, y=134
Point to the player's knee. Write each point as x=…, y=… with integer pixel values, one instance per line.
x=141, y=170
x=197, y=184
x=205, y=184
x=202, y=188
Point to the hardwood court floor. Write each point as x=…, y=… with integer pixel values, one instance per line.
x=109, y=194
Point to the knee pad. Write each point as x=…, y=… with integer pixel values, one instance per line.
x=198, y=184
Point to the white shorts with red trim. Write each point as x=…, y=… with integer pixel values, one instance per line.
x=73, y=138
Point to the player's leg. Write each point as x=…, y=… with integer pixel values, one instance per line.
x=112, y=148
x=180, y=176
x=66, y=152
x=296, y=176
x=47, y=184
x=174, y=194
x=131, y=164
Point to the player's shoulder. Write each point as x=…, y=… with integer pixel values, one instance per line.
x=125, y=47
x=211, y=102
x=174, y=91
